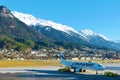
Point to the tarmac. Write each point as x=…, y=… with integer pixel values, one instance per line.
x=52, y=73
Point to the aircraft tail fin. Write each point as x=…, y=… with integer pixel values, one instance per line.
x=62, y=56
x=63, y=59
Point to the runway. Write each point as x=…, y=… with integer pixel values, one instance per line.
x=113, y=67
x=52, y=73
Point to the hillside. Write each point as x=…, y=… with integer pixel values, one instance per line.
x=16, y=34
x=63, y=33
x=20, y=31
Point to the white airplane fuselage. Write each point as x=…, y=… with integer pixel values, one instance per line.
x=81, y=65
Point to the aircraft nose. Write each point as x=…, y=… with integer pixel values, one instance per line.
x=103, y=68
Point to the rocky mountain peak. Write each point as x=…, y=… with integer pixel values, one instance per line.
x=5, y=12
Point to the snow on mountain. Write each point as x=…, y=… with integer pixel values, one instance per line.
x=31, y=20
x=88, y=32
x=26, y=18
x=59, y=31
x=102, y=36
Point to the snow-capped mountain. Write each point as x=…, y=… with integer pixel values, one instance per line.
x=59, y=32
x=31, y=20
x=99, y=40
x=89, y=33
x=69, y=33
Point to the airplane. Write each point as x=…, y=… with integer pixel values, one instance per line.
x=81, y=66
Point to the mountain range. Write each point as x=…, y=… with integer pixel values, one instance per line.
x=16, y=34
x=59, y=32
x=24, y=30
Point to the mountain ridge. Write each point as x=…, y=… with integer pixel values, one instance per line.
x=88, y=32
x=82, y=37
x=16, y=34
x=31, y=20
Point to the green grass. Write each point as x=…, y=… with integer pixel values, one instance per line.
x=66, y=69
x=111, y=74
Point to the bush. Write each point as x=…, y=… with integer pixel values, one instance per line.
x=111, y=74
x=66, y=69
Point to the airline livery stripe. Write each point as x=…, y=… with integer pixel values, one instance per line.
x=83, y=64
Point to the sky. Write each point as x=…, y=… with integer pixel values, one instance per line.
x=100, y=16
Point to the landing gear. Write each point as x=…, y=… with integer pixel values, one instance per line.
x=79, y=70
x=96, y=72
x=84, y=70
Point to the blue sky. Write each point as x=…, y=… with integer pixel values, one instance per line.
x=101, y=16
